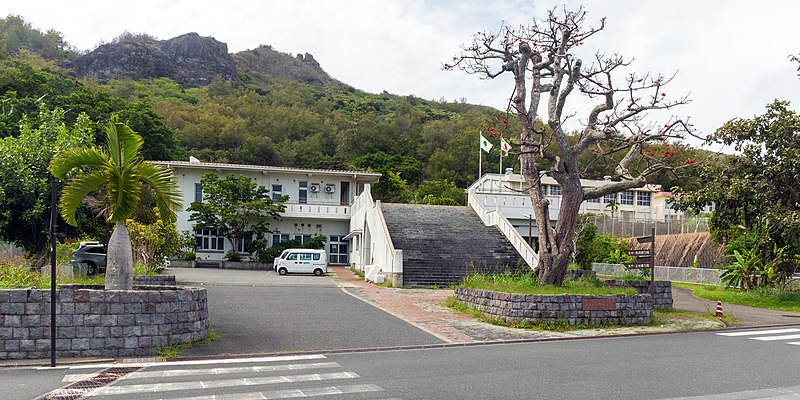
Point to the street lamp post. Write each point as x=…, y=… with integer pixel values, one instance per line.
x=530, y=229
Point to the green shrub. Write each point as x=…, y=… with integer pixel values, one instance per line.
x=188, y=255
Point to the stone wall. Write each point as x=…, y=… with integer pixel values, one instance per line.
x=577, y=309
x=154, y=280
x=662, y=298
x=95, y=322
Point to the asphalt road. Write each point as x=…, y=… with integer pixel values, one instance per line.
x=703, y=365
x=260, y=312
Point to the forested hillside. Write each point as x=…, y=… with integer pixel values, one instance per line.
x=280, y=110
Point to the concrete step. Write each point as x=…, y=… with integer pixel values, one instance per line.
x=441, y=244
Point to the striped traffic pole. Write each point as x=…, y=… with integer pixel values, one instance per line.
x=718, y=314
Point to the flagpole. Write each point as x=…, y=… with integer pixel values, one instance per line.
x=501, y=161
x=480, y=156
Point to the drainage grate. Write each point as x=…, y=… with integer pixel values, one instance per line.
x=78, y=389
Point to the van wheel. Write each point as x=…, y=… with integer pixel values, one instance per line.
x=318, y=272
x=91, y=269
x=282, y=271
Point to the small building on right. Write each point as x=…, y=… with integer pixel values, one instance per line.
x=631, y=209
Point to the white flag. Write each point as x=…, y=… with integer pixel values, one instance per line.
x=485, y=145
x=504, y=146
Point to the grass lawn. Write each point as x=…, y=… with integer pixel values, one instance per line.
x=525, y=284
x=770, y=298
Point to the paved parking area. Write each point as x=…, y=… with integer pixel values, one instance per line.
x=262, y=312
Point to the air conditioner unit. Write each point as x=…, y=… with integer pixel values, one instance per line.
x=330, y=188
x=314, y=188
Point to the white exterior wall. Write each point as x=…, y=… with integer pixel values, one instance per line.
x=323, y=213
x=370, y=243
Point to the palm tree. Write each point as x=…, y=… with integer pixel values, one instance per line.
x=119, y=173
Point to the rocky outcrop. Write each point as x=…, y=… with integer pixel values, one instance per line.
x=190, y=59
x=264, y=65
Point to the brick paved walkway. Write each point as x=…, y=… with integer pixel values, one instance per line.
x=423, y=308
x=420, y=307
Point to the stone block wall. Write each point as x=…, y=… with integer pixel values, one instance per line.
x=157, y=280
x=577, y=309
x=663, y=294
x=95, y=322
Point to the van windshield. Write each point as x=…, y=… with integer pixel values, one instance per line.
x=284, y=254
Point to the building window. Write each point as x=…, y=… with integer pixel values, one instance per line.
x=555, y=190
x=277, y=191
x=609, y=198
x=544, y=189
x=643, y=198
x=209, y=240
x=594, y=200
x=626, y=198
x=280, y=238
x=302, y=197
x=302, y=238
x=198, y=192
x=245, y=244
x=338, y=250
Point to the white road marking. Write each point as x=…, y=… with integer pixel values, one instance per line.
x=767, y=332
x=209, y=371
x=202, y=362
x=214, y=384
x=76, y=377
x=291, y=393
x=795, y=343
x=780, y=337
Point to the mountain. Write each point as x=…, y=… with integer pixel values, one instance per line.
x=191, y=60
x=195, y=61
x=263, y=66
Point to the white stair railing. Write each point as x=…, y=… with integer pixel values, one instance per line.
x=494, y=218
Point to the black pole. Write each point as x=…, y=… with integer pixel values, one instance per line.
x=653, y=262
x=530, y=230
x=53, y=228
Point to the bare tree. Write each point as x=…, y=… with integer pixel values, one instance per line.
x=547, y=73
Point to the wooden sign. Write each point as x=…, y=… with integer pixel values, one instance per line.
x=639, y=252
x=644, y=239
x=636, y=266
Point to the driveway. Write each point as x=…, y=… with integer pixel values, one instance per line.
x=261, y=311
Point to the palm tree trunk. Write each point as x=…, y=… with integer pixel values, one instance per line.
x=119, y=262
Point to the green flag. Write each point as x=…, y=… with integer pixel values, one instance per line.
x=485, y=145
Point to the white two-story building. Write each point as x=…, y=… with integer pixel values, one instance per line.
x=319, y=203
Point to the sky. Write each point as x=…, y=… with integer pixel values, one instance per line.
x=731, y=57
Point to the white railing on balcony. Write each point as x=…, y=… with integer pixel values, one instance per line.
x=495, y=218
x=317, y=211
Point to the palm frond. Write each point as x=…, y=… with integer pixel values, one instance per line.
x=162, y=180
x=62, y=164
x=76, y=190
x=123, y=144
x=123, y=193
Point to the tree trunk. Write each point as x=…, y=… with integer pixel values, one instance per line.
x=119, y=260
x=556, y=244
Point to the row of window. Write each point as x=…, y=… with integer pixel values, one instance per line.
x=210, y=240
x=627, y=198
x=277, y=191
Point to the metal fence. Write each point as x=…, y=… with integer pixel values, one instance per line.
x=703, y=276
x=638, y=227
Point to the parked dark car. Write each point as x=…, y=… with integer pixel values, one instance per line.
x=89, y=259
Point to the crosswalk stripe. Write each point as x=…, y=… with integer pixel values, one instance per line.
x=213, y=384
x=795, y=343
x=767, y=332
x=780, y=337
x=291, y=393
x=210, y=371
x=203, y=362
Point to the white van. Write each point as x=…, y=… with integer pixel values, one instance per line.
x=303, y=261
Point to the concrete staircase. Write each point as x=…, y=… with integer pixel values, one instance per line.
x=442, y=244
